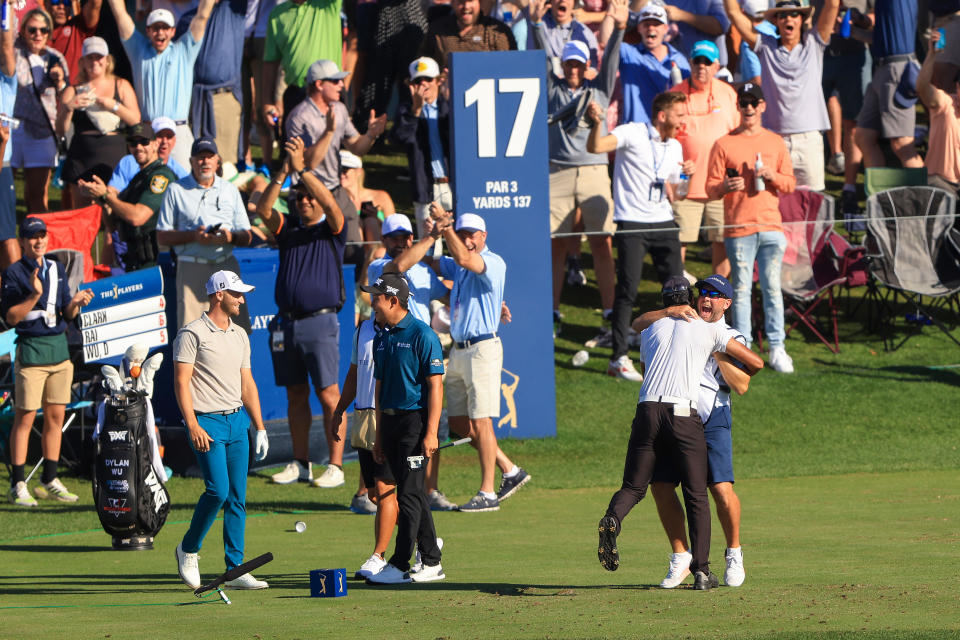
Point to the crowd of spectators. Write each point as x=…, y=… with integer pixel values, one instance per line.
x=152, y=112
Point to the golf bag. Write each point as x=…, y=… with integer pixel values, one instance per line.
x=130, y=498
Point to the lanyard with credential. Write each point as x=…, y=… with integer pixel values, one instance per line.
x=656, y=185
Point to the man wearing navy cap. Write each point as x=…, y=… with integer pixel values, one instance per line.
x=476, y=358
x=202, y=218
x=36, y=300
x=667, y=425
x=713, y=406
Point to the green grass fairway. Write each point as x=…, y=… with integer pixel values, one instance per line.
x=858, y=556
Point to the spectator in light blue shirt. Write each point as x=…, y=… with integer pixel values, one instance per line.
x=9, y=247
x=201, y=218
x=163, y=67
x=397, y=236
x=645, y=68
x=166, y=132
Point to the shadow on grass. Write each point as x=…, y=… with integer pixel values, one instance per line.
x=901, y=373
x=294, y=507
x=62, y=548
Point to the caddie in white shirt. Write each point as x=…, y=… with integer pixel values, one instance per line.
x=649, y=162
x=667, y=425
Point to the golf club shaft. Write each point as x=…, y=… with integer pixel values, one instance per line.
x=65, y=425
x=455, y=443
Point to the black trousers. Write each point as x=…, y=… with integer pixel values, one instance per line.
x=402, y=436
x=663, y=247
x=656, y=432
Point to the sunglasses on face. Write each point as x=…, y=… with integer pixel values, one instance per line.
x=303, y=195
x=706, y=62
x=420, y=80
x=140, y=142
x=54, y=3
x=710, y=293
x=747, y=102
x=789, y=14
x=35, y=30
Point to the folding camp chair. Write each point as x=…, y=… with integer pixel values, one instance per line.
x=877, y=179
x=810, y=268
x=914, y=255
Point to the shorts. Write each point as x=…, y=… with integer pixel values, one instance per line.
x=587, y=187
x=8, y=205
x=227, y=115
x=690, y=214
x=32, y=153
x=880, y=113
x=806, y=154
x=39, y=385
x=310, y=351
x=473, y=380
x=717, y=432
x=838, y=72
x=371, y=470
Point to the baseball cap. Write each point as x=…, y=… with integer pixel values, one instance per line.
x=424, y=67
x=575, y=50
x=718, y=283
x=906, y=94
x=706, y=49
x=750, y=89
x=397, y=223
x=226, y=280
x=163, y=123
x=324, y=70
x=653, y=12
x=675, y=284
x=161, y=15
x=32, y=226
x=470, y=222
x=95, y=44
x=350, y=160
x=389, y=284
x=755, y=8
x=140, y=131
x=203, y=145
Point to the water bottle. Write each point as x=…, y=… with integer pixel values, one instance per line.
x=845, y=25
x=758, y=182
x=683, y=187
x=675, y=76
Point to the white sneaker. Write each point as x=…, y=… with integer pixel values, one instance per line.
x=734, y=575
x=188, y=568
x=20, y=495
x=429, y=574
x=332, y=477
x=293, y=472
x=623, y=367
x=246, y=581
x=389, y=575
x=54, y=489
x=418, y=562
x=373, y=565
x=780, y=360
x=692, y=279
x=678, y=571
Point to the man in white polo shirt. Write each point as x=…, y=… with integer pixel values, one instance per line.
x=649, y=161
x=667, y=425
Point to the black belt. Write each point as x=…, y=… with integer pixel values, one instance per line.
x=289, y=315
x=472, y=341
x=399, y=412
x=226, y=412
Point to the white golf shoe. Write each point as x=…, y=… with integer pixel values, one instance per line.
x=246, y=581
x=678, y=571
x=293, y=472
x=734, y=575
x=373, y=565
x=418, y=562
x=188, y=567
x=429, y=574
x=389, y=575
x=20, y=495
x=332, y=477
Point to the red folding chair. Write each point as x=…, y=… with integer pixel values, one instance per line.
x=74, y=229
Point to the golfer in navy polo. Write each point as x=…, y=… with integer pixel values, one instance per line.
x=408, y=368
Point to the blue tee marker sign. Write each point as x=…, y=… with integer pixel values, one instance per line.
x=500, y=170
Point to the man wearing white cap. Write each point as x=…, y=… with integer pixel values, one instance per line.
x=165, y=131
x=476, y=359
x=578, y=178
x=324, y=125
x=423, y=127
x=162, y=67
x=558, y=28
x=213, y=382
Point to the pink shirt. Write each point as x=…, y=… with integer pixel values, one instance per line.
x=711, y=114
x=943, y=151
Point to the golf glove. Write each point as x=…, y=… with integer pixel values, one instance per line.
x=262, y=446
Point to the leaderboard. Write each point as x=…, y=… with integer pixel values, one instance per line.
x=125, y=310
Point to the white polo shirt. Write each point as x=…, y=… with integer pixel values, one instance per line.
x=711, y=396
x=675, y=352
x=642, y=160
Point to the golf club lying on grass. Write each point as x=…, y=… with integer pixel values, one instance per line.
x=233, y=574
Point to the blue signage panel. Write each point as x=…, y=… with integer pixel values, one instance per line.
x=129, y=287
x=501, y=172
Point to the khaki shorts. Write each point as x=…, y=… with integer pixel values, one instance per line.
x=473, y=380
x=806, y=154
x=39, y=385
x=587, y=187
x=227, y=114
x=690, y=214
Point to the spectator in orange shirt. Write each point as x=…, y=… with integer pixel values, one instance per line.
x=751, y=212
x=711, y=113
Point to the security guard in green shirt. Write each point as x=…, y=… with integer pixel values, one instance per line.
x=133, y=211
